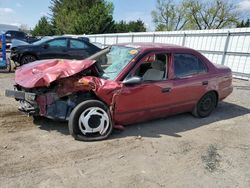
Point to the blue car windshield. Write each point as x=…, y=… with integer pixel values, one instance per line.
x=118, y=58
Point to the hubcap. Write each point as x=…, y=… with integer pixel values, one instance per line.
x=94, y=120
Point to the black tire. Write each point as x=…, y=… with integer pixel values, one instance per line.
x=74, y=125
x=37, y=118
x=27, y=59
x=206, y=105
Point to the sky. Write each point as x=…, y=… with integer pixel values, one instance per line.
x=28, y=12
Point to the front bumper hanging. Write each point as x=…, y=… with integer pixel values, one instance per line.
x=20, y=95
x=27, y=101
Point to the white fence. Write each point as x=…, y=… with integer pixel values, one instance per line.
x=229, y=47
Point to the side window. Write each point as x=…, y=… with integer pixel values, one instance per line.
x=187, y=64
x=76, y=44
x=201, y=67
x=58, y=43
x=20, y=34
x=153, y=67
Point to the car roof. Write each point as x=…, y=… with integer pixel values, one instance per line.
x=67, y=36
x=14, y=31
x=146, y=46
x=85, y=39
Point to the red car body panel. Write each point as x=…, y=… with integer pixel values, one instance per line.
x=129, y=104
x=42, y=73
x=104, y=89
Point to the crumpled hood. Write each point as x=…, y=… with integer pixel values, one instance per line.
x=42, y=73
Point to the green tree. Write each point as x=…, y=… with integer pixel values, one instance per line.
x=195, y=14
x=81, y=16
x=120, y=27
x=169, y=16
x=132, y=26
x=43, y=28
x=136, y=26
x=214, y=14
x=244, y=23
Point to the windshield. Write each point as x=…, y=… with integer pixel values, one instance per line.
x=118, y=57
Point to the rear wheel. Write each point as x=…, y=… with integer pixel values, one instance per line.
x=27, y=59
x=206, y=105
x=90, y=121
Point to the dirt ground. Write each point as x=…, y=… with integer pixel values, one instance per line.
x=179, y=151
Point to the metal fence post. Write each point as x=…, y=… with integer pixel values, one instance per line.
x=116, y=39
x=153, y=38
x=184, y=39
x=95, y=38
x=3, y=63
x=132, y=38
x=104, y=40
x=225, y=48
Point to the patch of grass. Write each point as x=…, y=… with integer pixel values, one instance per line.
x=212, y=158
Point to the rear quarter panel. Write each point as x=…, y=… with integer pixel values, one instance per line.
x=224, y=81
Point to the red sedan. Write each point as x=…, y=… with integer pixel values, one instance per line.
x=140, y=82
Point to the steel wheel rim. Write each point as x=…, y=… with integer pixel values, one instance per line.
x=206, y=104
x=94, y=120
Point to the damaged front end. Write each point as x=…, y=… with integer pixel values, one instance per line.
x=42, y=102
x=53, y=88
x=54, y=102
x=82, y=92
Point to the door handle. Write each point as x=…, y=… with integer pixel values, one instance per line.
x=204, y=83
x=166, y=90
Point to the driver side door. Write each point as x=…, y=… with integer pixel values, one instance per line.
x=147, y=100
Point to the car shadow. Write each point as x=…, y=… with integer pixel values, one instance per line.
x=52, y=125
x=170, y=126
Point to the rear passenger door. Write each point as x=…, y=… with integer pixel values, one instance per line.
x=190, y=81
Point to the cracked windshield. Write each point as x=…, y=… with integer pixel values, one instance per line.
x=118, y=58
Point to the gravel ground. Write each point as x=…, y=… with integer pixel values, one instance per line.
x=179, y=151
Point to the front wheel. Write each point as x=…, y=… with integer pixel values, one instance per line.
x=90, y=121
x=27, y=59
x=206, y=105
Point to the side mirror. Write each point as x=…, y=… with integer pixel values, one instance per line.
x=133, y=80
x=45, y=46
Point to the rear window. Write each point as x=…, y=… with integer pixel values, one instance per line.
x=187, y=64
x=76, y=44
x=58, y=43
